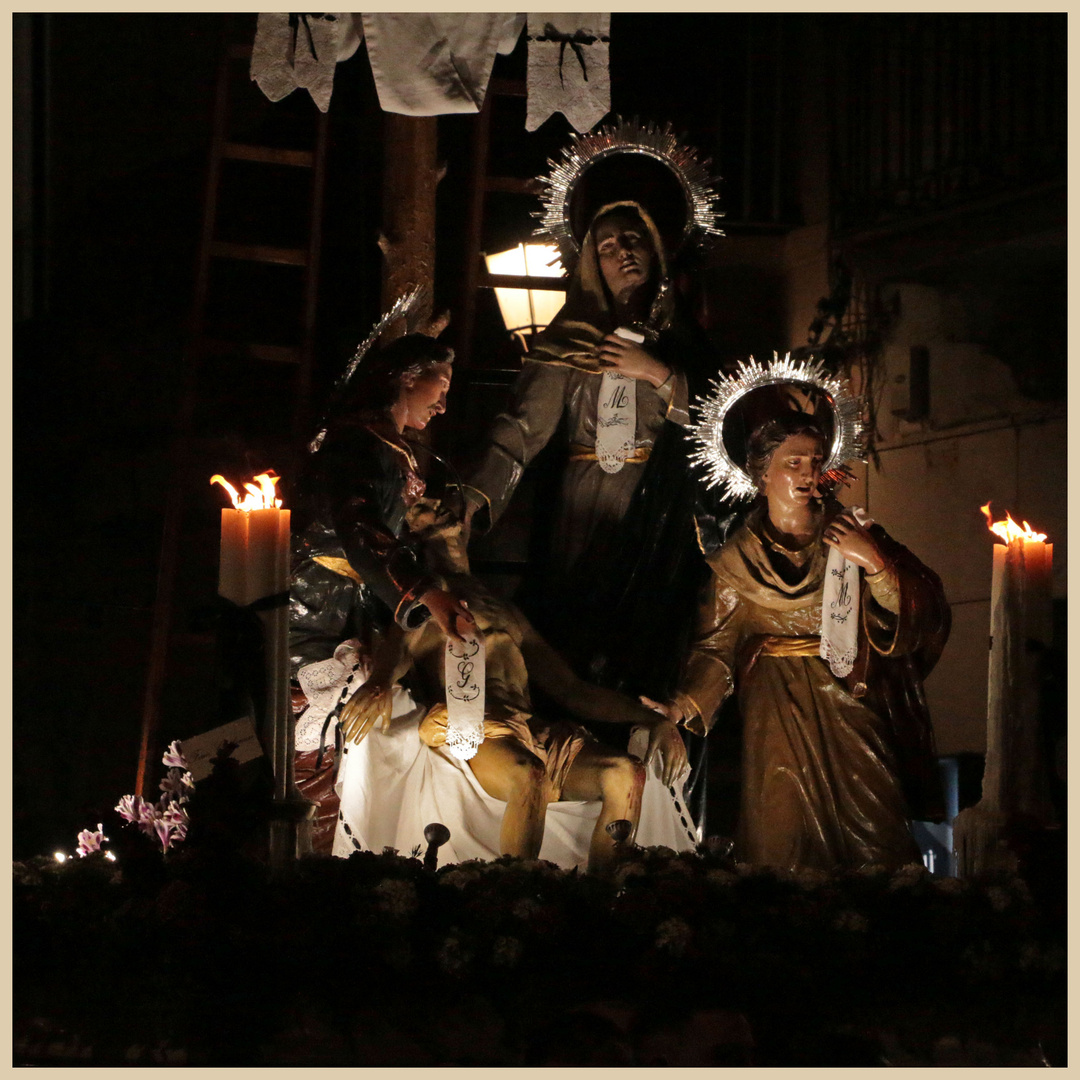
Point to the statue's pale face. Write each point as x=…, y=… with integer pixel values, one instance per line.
x=625, y=251
x=791, y=480
x=424, y=397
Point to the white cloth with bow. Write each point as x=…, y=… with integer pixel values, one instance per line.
x=568, y=68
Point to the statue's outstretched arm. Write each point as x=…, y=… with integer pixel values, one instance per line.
x=549, y=671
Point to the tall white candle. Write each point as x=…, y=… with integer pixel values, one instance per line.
x=254, y=565
x=1020, y=628
x=232, y=584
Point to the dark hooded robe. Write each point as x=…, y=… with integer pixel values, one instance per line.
x=627, y=547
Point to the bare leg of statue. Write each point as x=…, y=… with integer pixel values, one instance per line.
x=510, y=773
x=615, y=779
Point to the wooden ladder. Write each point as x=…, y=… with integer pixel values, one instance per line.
x=476, y=275
x=263, y=384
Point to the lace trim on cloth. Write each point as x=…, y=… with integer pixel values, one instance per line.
x=327, y=685
x=840, y=608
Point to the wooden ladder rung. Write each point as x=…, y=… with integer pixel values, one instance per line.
x=259, y=253
x=515, y=185
x=514, y=281
x=508, y=87
x=269, y=155
x=273, y=354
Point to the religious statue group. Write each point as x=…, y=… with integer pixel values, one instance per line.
x=698, y=552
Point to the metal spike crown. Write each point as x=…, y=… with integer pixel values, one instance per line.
x=406, y=306
x=707, y=432
x=622, y=137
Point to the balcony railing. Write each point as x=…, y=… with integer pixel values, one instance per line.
x=933, y=111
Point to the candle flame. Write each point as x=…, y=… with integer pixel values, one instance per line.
x=1008, y=530
x=257, y=498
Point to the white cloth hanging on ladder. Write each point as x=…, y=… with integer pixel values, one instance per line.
x=295, y=50
x=431, y=64
x=568, y=68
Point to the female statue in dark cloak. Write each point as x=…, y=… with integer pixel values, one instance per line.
x=626, y=551
x=352, y=570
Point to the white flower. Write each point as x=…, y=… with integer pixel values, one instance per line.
x=1019, y=888
x=459, y=877
x=809, y=877
x=453, y=957
x=907, y=876
x=663, y=852
x=507, y=951
x=673, y=935
x=750, y=870
x=851, y=920
x=397, y=897
x=544, y=866
x=398, y=954
x=950, y=886
x=629, y=870
x=723, y=879
x=872, y=870
x=90, y=841
x=525, y=908
x=174, y=757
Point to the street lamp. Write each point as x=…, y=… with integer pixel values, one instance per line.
x=527, y=310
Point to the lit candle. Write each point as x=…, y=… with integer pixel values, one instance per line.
x=1014, y=787
x=253, y=566
x=1021, y=617
x=254, y=561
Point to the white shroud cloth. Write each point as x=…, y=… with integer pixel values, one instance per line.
x=431, y=63
x=293, y=51
x=392, y=787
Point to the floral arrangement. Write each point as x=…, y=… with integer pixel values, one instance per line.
x=165, y=821
x=374, y=960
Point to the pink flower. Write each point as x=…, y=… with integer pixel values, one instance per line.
x=171, y=825
x=176, y=815
x=163, y=831
x=132, y=808
x=90, y=841
x=173, y=784
x=174, y=757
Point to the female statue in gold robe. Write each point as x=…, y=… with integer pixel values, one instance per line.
x=832, y=767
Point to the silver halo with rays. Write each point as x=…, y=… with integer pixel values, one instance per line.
x=407, y=306
x=713, y=408
x=626, y=137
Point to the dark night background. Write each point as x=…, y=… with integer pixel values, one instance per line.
x=112, y=129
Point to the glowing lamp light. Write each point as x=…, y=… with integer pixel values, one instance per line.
x=59, y=856
x=527, y=311
x=110, y=856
